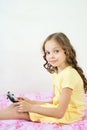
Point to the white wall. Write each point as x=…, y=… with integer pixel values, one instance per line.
x=24, y=24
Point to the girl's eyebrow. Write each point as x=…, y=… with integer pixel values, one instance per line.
x=46, y=51
x=54, y=48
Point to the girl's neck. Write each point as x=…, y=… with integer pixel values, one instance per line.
x=61, y=68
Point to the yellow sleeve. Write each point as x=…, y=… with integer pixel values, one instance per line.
x=71, y=79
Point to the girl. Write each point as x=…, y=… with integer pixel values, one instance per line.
x=70, y=85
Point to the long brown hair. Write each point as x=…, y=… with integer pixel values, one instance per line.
x=64, y=42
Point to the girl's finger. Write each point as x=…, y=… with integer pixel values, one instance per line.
x=17, y=103
x=20, y=98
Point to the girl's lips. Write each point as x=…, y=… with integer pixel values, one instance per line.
x=52, y=62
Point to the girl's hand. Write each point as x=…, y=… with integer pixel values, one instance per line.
x=22, y=98
x=26, y=99
x=22, y=106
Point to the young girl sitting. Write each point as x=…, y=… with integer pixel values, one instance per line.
x=70, y=85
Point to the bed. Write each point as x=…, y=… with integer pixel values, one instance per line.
x=27, y=125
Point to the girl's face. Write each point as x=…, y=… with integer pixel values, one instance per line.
x=55, y=54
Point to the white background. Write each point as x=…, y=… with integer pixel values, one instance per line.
x=24, y=25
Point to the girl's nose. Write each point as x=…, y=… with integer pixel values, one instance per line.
x=51, y=55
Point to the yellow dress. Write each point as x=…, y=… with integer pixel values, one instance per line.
x=69, y=77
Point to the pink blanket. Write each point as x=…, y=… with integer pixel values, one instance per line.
x=27, y=125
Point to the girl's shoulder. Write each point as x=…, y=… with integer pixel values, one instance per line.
x=70, y=71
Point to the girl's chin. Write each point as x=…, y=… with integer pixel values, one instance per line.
x=53, y=65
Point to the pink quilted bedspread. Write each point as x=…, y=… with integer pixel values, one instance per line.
x=27, y=125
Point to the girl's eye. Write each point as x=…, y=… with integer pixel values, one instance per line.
x=56, y=51
x=47, y=53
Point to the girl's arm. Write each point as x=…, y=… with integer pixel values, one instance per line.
x=34, y=102
x=57, y=112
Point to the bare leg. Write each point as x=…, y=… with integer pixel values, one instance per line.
x=11, y=113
